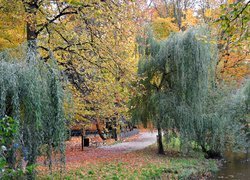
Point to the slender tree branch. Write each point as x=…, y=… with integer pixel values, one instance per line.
x=61, y=14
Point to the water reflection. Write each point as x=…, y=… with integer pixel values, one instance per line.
x=236, y=166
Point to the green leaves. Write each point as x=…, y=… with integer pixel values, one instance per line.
x=32, y=93
x=235, y=14
x=179, y=81
x=8, y=129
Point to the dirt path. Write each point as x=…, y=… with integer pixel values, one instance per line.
x=75, y=157
x=145, y=139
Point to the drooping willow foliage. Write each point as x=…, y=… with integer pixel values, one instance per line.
x=31, y=92
x=180, y=91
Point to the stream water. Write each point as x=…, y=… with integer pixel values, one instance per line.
x=236, y=166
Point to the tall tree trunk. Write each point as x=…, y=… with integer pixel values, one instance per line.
x=159, y=140
x=177, y=13
x=99, y=130
x=31, y=8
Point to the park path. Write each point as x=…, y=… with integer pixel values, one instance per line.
x=76, y=157
x=144, y=139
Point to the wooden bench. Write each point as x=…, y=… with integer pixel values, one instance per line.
x=96, y=142
x=77, y=133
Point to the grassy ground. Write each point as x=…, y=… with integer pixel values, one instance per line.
x=143, y=164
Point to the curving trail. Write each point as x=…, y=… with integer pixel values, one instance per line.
x=144, y=139
x=75, y=157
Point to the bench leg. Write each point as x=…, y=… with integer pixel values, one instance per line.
x=82, y=142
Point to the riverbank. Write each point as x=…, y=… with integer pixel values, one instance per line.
x=235, y=165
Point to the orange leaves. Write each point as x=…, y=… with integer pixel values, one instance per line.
x=234, y=66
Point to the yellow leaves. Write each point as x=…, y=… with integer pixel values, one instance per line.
x=212, y=14
x=73, y=2
x=12, y=25
x=208, y=13
x=157, y=78
x=231, y=1
x=189, y=20
x=162, y=27
x=97, y=44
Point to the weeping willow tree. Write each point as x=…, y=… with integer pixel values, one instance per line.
x=180, y=94
x=189, y=61
x=147, y=106
x=200, y=109
x=31, y=93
